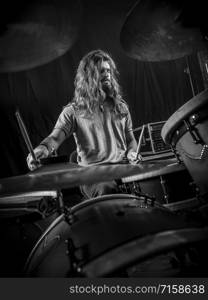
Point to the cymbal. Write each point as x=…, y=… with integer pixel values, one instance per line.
x=151, y=170
x=159, y=30
x=66, y=175
x=34, y=33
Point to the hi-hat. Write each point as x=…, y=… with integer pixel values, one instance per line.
x=66, y=175
x=157, y=30
x=34, y=33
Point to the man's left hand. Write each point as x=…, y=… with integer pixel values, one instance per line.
x=133, y=157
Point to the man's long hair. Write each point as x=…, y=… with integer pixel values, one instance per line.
x=88, y=92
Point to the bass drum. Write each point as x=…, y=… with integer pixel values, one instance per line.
x=108, y=235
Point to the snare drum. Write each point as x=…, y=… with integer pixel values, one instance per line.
x=187, y=132
x=23, y=218
x=169, y=184
x=102, y=237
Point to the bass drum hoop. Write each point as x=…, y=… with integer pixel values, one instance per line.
x=110, y=197
x=63, y=217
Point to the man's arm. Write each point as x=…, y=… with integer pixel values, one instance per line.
x=63, y=128
x=47, y=146
x=131, y=145
x=54, y=140
x=130, y=138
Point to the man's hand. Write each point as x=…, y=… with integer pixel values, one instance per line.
x=133, y=157
x=40, y=152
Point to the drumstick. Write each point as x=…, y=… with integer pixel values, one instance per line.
x=25, y=135
x=140, y=141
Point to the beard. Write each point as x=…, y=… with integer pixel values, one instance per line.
x=107, y=88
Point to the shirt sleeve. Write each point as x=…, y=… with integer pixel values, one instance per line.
x=66, y=121
x=129, y=124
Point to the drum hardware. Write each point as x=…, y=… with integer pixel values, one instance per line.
x=175, y=152
x=196, y=139
x=145, y=201
x=186, y=130
x=68, y=215
x=164, y=188
x=100, y=215
x=204, y=152
x=134, y=188
x=75, y=270
x=194, y=119
x=104, y=242
x=193, y=132
x=196, y=189
x=50, y=205
x=23, y=219
x=202, y=156
x=44, y=203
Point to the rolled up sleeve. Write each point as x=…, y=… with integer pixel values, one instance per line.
x=66, y=121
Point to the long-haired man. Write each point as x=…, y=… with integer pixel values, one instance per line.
x=98, y=118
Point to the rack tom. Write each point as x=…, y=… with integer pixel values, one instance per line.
x=187, y=133
x=169, y=183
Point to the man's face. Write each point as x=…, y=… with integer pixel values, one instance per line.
x=105, y=76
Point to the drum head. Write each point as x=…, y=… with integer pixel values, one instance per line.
x=192, y=106
x=109, y=229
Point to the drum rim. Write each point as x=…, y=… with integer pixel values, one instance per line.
x=39, y=241
x=174, y=121
x=35, y=194
x=108, y=197
x=104, y=262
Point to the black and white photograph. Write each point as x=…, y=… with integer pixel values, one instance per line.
x=104, y=139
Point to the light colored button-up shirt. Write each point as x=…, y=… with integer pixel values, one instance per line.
x=100, y=137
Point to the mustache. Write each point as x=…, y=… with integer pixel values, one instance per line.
x=105, y=79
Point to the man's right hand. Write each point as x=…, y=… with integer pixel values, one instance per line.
x=40, y=152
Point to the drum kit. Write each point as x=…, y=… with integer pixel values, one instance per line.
x=156, y=225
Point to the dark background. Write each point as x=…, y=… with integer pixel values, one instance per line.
x=153, y=90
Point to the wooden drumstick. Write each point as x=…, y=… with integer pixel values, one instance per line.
x=140, y=141
x=25, y=135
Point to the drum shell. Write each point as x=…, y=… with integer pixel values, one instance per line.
x=193, y=156
x=92, y=230
x=165, y=188
x=187, y=132
x=169, y=188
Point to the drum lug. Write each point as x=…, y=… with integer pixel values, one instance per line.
x=193, y=119
x=177, y=156
x=79, y=270
x=193, y=132
x=68, y=216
